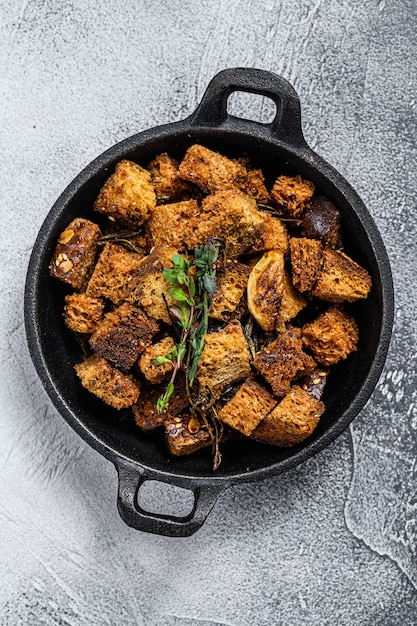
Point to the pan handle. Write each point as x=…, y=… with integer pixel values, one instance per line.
x=212, y=110
x=132, y=477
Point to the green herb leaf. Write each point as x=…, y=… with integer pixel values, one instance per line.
x=209, y=284
x=160, y=360
x=177, y=293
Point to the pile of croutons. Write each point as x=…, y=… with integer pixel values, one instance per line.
x=278, y=317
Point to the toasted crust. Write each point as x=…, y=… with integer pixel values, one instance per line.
x=144, y=410
x=127, y=195
x=168, y=185
x=186, y=434
x=231, y=283
x=273, y=235
x=332, y=336
x=156, y=373
x=253, y=184
x=292, y=420
x=250, y=404
x=210, y=170
x=315, y=382
x=75, y=253
x=113, y=273
x=174, y=225
x=266, y=286
x=291, y=193
x=322, y=220
x=306, y=261
x=82, y=313
x=115, y=388
x=341, y=279
x=123, y=335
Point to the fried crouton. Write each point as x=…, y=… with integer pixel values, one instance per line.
x=123, y=335
x=82, y=313
x=153, y=372
x=341, y=279
x=291, y=421
x=250, y=404
x=322, y=220
x=128, y=195
x=174, y=225
x=225, y=358
x=113, y=273
x=265, y=288
x=253, y=184
x=273, y=235
x=75, y=253
x=210, y=170
x=168, y=185
x=144, y=410
x=282, y=361
x=186, y=434
x=306, y=261
x=332, y=336
x=231, y=283
x=291, y=193
x=315, y=382
x=115, y=388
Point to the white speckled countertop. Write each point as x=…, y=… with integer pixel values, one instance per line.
x=331, y=542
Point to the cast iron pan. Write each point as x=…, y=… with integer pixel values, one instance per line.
x=278, y=147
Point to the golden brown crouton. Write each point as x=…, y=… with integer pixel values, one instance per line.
x=153, y=372
x=113, y=273
x=75, y=253
x=292, y=301
x=322, y=220
x=128, y=195
x=82, y=313
x=174, y=224
x=144, y=410
x=332, y=336
x=250, y=404
x=123, y=335
x=306, y=260
x=315, y=382
x=253, y=184
x=231, y=283
x=282, y=361
x=291, y=193
x=292, y=420
x=115, y=388
x=265, y=287
x=168, y=185
x=341, y=279
x=225, y=358
x=210, y=170
x=273, y=235
x=186, y=434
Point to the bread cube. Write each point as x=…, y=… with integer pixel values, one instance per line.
x=113, y=273
x=123, y=335
x=306, y=261
x=175, y=224
x=153, y=372
x=115, y=388
x=231, y=283
x=225, y=358
x=128, y=195
x=291, y=421
x=82, y=313
x=144, y=410
x=75, y=253
x=186, y=434
x=168, y=185
x=291, y=193
x=250, y=404
x=332, y=336
x=282, y=361
x=273, y=235
x=341, y=279
x=322, y=220
x=315, y=382
x=210, y=170
x=253, y=184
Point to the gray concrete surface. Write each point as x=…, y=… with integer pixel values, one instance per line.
x=331, y=542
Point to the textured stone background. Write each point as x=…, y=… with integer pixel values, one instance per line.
x=331, y=542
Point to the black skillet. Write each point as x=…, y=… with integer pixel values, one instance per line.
x=278, y=147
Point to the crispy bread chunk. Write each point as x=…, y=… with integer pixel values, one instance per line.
x=186, y=434
x=82, y=313
x=174, y=224
x=113, y=273
x=75, y=253
x=250, y=404
x=292, y=420
x=266, y=286
x=282, y=361
x=225, y=358
x=231, y=283
x=115, y=388
x=341, y=279
x=144, y=410
x=152, y=372
x=231, y=216
x=168, y=185
x=306, y=260
x=322, y=220
x=253, y=184
x=123, y=335
x=291, y=193
x=128, y=195
x=210, y=170
x=315, y=382
x=332, y=336
x=292, y=301
x=273, y=235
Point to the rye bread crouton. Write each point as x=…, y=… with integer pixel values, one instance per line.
x=315, y=382
x=225, y=358
x=75, y=253
x=322, y=220
x=128, y=195
x=341, y=279
x=291, y=421
x=115, y=388
x=186, y=434
x=144, y=410
x=273, y=235
x=253, y=184
x=332, y=336
x=291, y=193
x=231, y=283
x=82, y=313
x=250, y=404
x=153, y=372
x=265, y=288
x=282, y=361
x=174, y=225
x=168, y=185
x=113, y=273
x=306, y=261
x=210, y=170
x=123, y=335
